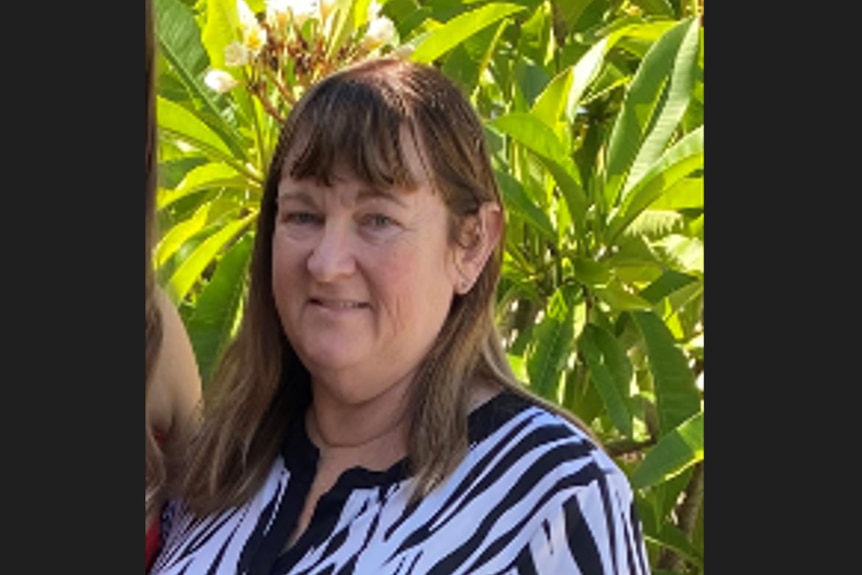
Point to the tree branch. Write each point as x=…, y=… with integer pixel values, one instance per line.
x=686, y=514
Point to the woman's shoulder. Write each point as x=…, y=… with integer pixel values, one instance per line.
x=529, y=433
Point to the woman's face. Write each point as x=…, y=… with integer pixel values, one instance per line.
x=362, y=278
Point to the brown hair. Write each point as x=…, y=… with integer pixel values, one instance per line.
x=357, y=117
x=155, y=465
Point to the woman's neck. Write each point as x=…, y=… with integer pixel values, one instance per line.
x=372, y=434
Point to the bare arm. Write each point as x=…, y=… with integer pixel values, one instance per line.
x=176, y=386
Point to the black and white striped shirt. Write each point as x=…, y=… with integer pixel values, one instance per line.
x=532, y=495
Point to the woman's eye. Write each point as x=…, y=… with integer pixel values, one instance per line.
x=299, y=218
x=378, y=221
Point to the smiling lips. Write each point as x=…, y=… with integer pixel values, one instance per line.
x=337, y=304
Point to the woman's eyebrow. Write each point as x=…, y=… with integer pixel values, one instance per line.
x=368, y=193
x=301, y=196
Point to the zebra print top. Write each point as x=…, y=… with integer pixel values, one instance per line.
x=532, y=495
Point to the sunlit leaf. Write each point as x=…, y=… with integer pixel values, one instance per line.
x=180, y=43
x=610, y=371
x=530, y=132
x=207, y=176
x=178, y=122
x=519, y=202
x=670, y=281
x=217, y=306
x=656, y=7
x=459, y=28
x=674, y=452
x=186, y=125
x=686, y=193
x=221, y=28
x=179, y=234
x=677, y=398
x=562, y=97
x=685, y=252
x=189, y=272
x=553, y=343
x=679, y=161
x=654, y=106
x=619, y=299
x=591, y=272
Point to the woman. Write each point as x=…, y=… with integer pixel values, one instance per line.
x=173, y=386
x=366, y=419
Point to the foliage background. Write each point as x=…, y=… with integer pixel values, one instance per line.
x=595, y=114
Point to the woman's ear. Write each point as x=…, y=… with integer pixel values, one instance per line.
x=479, y=237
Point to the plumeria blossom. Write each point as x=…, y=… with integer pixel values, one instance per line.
x=237, y=54
x=403, y=51
x=373, y=10
x=381, y=31
x=255, y=39
x=278, y=14
x=220, y=81
x=299, y=11
x=253, y=36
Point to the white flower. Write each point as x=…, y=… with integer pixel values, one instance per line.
x=254, y=39
x=373, y=10
x=303, y=10
x=253, y=36
x=403, y=52
x=380, y=31
x=236, y=54
x=279, y=13
x=220, y=81
x=246, y=16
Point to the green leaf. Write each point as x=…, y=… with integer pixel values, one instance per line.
x=178, y=122
x=179, y=234
x=221, y=28
x=187, y=126
x=179, y=42
x=590, y=272
x=218, y=305
x=652, y=224
x=675, y=452
x=562, y=97
x=517, y=201
x=189, y=272
x=686, y=193
x=684, y=252
x=679, y=161
x=656, y=7
x=653, y=107
x=553, y=338
x=677, y=397
x=669, y=282
x=207, y=176
x=536, y=136
x=619, y=299
x=610, y=371
x=459, y=28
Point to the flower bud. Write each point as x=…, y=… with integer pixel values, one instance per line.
x=381, y=31
x=220, y=81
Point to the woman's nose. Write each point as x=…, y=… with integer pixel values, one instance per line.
x=332, y=257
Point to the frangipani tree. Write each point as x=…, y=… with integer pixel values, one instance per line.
x=594, y=112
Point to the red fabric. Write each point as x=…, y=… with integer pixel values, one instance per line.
x=153, y=535
x=153, y=541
